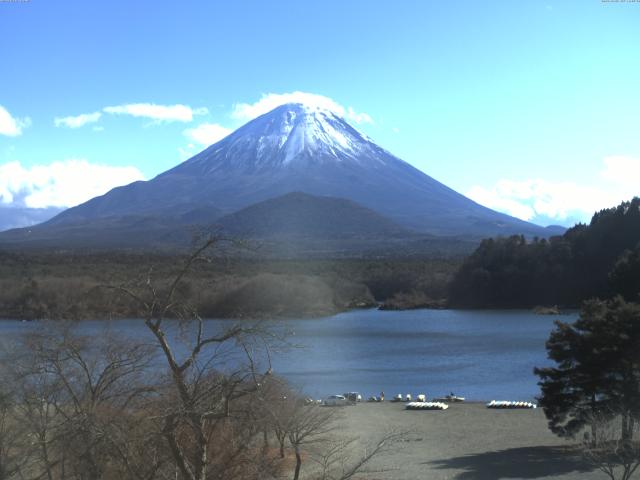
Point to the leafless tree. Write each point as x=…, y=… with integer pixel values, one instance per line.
x=199, y=414
x=308, y=425
x=613, y=446
x=337, y=459
x=73, y=395
x=14, y=443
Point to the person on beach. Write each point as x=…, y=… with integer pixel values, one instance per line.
x=382, y=396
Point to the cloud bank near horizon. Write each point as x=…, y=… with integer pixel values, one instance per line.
x=62, y=184
x=546, y=202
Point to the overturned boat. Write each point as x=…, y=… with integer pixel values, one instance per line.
x=510, y=405
x=426, y=406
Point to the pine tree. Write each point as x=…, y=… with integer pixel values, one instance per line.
x=597, y=370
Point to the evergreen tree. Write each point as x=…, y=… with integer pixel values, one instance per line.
x=596, y=260
x=625, y=276
x=597, y=370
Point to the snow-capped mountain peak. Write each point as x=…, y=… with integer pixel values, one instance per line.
x=291, y=135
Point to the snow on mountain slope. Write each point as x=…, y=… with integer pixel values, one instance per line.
x=291, y=135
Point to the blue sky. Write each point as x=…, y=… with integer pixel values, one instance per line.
x=529, y=107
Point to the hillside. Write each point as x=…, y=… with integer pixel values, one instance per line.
x=588, y=261
x=300, y=215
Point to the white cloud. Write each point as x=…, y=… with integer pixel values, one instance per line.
x=60, y=184
x=77, y=121
x=562, y=201
x=249, y=111
x=11, y=126
x=207, y=133
x=159, y=113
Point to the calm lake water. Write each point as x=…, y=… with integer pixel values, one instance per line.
x=481, y=355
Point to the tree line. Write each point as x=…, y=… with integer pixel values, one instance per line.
x=601, y=259
x=67, y=285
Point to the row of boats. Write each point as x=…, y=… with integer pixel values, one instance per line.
x=420, y=403
x=440, y=405
x=426, y=406
x=508, y=404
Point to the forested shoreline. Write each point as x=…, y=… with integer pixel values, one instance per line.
x=601, y=259
x=75, y=286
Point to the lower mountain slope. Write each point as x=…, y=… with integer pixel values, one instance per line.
x=294, y=225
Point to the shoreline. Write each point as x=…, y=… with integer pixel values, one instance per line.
x=308, y=316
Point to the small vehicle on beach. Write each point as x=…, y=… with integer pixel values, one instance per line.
x=352, y=397
x=335, y=401
x=402, y=398
x=451, y=398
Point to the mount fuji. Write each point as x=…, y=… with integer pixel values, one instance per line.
x=293, y=148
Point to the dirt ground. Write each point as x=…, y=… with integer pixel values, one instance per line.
x=465, y=442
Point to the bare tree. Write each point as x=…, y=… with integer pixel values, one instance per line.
x=14, y=442
x=201, y=391
x=336, y=457
x=308, y=425
x=73, y=394
x=613, y=446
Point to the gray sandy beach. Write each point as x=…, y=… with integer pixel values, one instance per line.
x=467, y=442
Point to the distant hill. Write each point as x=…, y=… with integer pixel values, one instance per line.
x=303, y=216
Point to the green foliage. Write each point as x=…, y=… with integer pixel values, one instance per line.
x=598, y=260
x=597, y=370
x=625, y=276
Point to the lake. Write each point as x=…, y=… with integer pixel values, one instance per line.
x=481, y=355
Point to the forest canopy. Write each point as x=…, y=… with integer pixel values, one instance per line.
x=595, y=260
